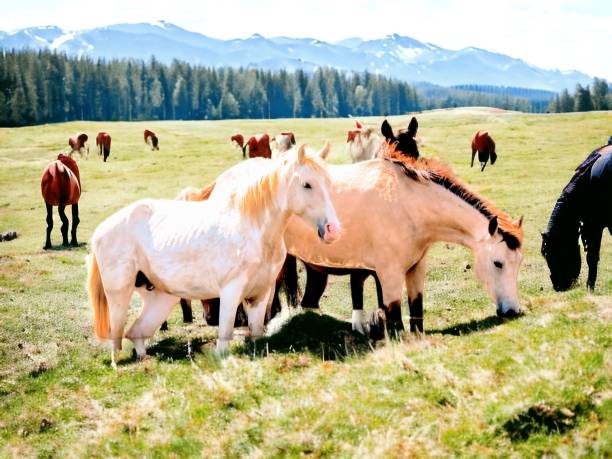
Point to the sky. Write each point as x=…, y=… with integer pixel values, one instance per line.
x=553, y=34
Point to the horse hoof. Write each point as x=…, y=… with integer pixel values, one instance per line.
x=74, y=244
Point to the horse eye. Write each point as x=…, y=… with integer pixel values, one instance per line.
x=307, y=186
x=498, y=264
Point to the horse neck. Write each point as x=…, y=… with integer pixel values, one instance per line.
x=451, y=219
x=564, y=220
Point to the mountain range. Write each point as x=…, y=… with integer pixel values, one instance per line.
x=396, y=56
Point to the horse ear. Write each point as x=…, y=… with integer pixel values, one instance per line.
x=519, y=223
x=302, y=154
x=387, y=131
x=358, y=125
x=413, y=126
x=493, y=225
x=324, y=152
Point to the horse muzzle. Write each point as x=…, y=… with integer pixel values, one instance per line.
x=329, y=232
x=511, y=312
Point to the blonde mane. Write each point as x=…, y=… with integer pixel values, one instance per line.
x=437, y=172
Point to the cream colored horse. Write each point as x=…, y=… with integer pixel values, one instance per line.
x=229, y=248
x=392, y=211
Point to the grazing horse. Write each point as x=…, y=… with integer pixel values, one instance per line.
x=579, y=211
x=229, y=247
x=78, y=143
x=239, y=140
x=103, y=142
x=282, y=143
x=485, y=146
x=417, y=203
x=363, y=143
x=151, y=139
x=61, y=186
x=259, y=146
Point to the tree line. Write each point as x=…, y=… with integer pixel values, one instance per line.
x=597, y=96
x=42, y=87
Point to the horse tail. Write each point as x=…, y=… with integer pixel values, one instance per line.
x=288, y=280
x=493, y=157
x=98, y=300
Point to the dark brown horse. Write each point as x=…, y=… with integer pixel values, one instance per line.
x=405, y=142
x=151, y=139
x=61, y=186
x=78, y=144
x=485, y=146
x=259, y=146
x=103, y=142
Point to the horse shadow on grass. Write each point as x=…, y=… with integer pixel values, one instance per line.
x=63, y=248
x=319, y=334
x=170, y=349
x=469, y=327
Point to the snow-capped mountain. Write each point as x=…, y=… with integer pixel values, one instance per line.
x=397, y=56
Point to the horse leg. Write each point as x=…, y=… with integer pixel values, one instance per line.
x=231, y=296
x=256, y=312
x=211, y=311
x=473, y=155
x=483, y=166
x=118, y=307
x=156, y=307
x=64, y=227
x=49, y=225
x=592, y=236
x=358, y=278
x=316, y=282
x=415, y=281
x=187, y=311
x=390, y=316
x=75, y=222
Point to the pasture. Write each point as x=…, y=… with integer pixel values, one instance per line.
x=474, y=385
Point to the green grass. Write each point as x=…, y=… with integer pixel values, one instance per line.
x=473, y=386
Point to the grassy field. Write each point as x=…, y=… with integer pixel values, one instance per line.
x=473, y=386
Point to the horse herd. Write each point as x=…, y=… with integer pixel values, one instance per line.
x=234, y=243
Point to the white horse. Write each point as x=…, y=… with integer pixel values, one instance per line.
x=229, y=248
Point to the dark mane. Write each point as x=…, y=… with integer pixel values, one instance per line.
x=437, y=172
x=565, y=216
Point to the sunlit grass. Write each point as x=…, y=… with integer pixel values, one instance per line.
x=473, y=386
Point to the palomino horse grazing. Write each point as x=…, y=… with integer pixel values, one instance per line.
x=239, y=140
x=61, y=186
x=103, y=142
x=151, y=139
x=485, y=146
x=230, y=247
x=282, y=143
x=78, y=144
x=580, y=211
x=392, y=211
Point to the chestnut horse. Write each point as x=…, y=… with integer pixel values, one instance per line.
x=485, y=146
x=239, y=139
x=61, y=186
x=78, y=143
x=151, y=139
x=103, y=142
x=227, y=247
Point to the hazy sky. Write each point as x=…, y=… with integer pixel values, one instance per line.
x=564, y=34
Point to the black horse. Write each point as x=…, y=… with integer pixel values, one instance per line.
x=584, y=209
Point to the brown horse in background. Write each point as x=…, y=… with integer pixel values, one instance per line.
x=239, y=139
x=61, y=186
x=485, y=146
x=103, y=142
x=78, y=143
x=151, y=139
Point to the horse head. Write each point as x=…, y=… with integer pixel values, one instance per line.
x=308, y=193
x=497, y=261
x=562, y=255
x=405, y=141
